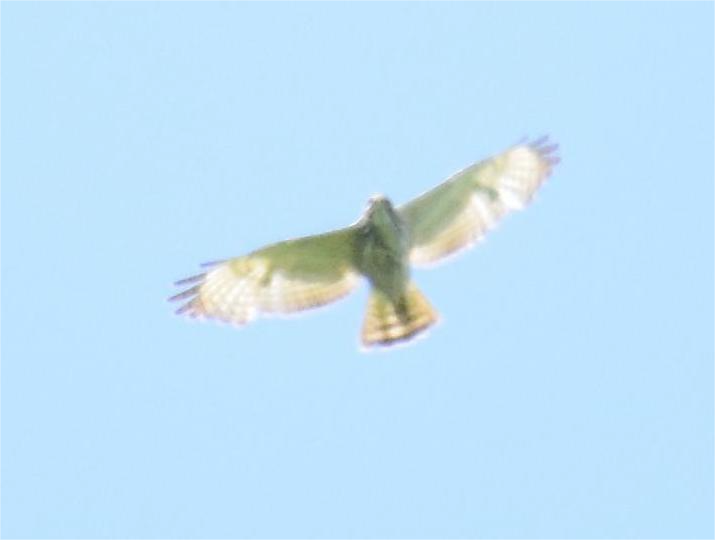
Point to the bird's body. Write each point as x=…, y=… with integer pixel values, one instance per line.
x=381, y=247
x=396, y=309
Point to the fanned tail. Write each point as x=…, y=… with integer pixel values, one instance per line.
x=388, y=322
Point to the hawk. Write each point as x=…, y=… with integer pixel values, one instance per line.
x=381, y=247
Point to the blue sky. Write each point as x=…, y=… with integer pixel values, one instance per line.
x=568, y=391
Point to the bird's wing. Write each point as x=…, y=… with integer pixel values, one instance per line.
x=282, y=278
x=458, y=212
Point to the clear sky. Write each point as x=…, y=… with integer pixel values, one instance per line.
x=568, y=391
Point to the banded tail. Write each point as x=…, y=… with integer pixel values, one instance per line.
x=387, y=323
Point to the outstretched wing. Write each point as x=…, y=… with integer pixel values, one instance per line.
x=281, y=278
x=458, y=212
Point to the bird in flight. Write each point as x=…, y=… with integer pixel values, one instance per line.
x=381, y=247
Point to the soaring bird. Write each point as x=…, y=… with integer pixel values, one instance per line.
x=381, y=246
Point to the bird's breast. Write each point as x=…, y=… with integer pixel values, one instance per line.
x=383, y=256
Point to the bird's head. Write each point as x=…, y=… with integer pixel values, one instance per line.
x=378, y=202
x=378, y=205
x=380, y=210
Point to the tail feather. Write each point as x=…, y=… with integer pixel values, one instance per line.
x=387, y=322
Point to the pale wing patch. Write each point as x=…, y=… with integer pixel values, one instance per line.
x=467, y=227
x=239, y=290
x=518, y=173
x=459, y=212
x=281, y=278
